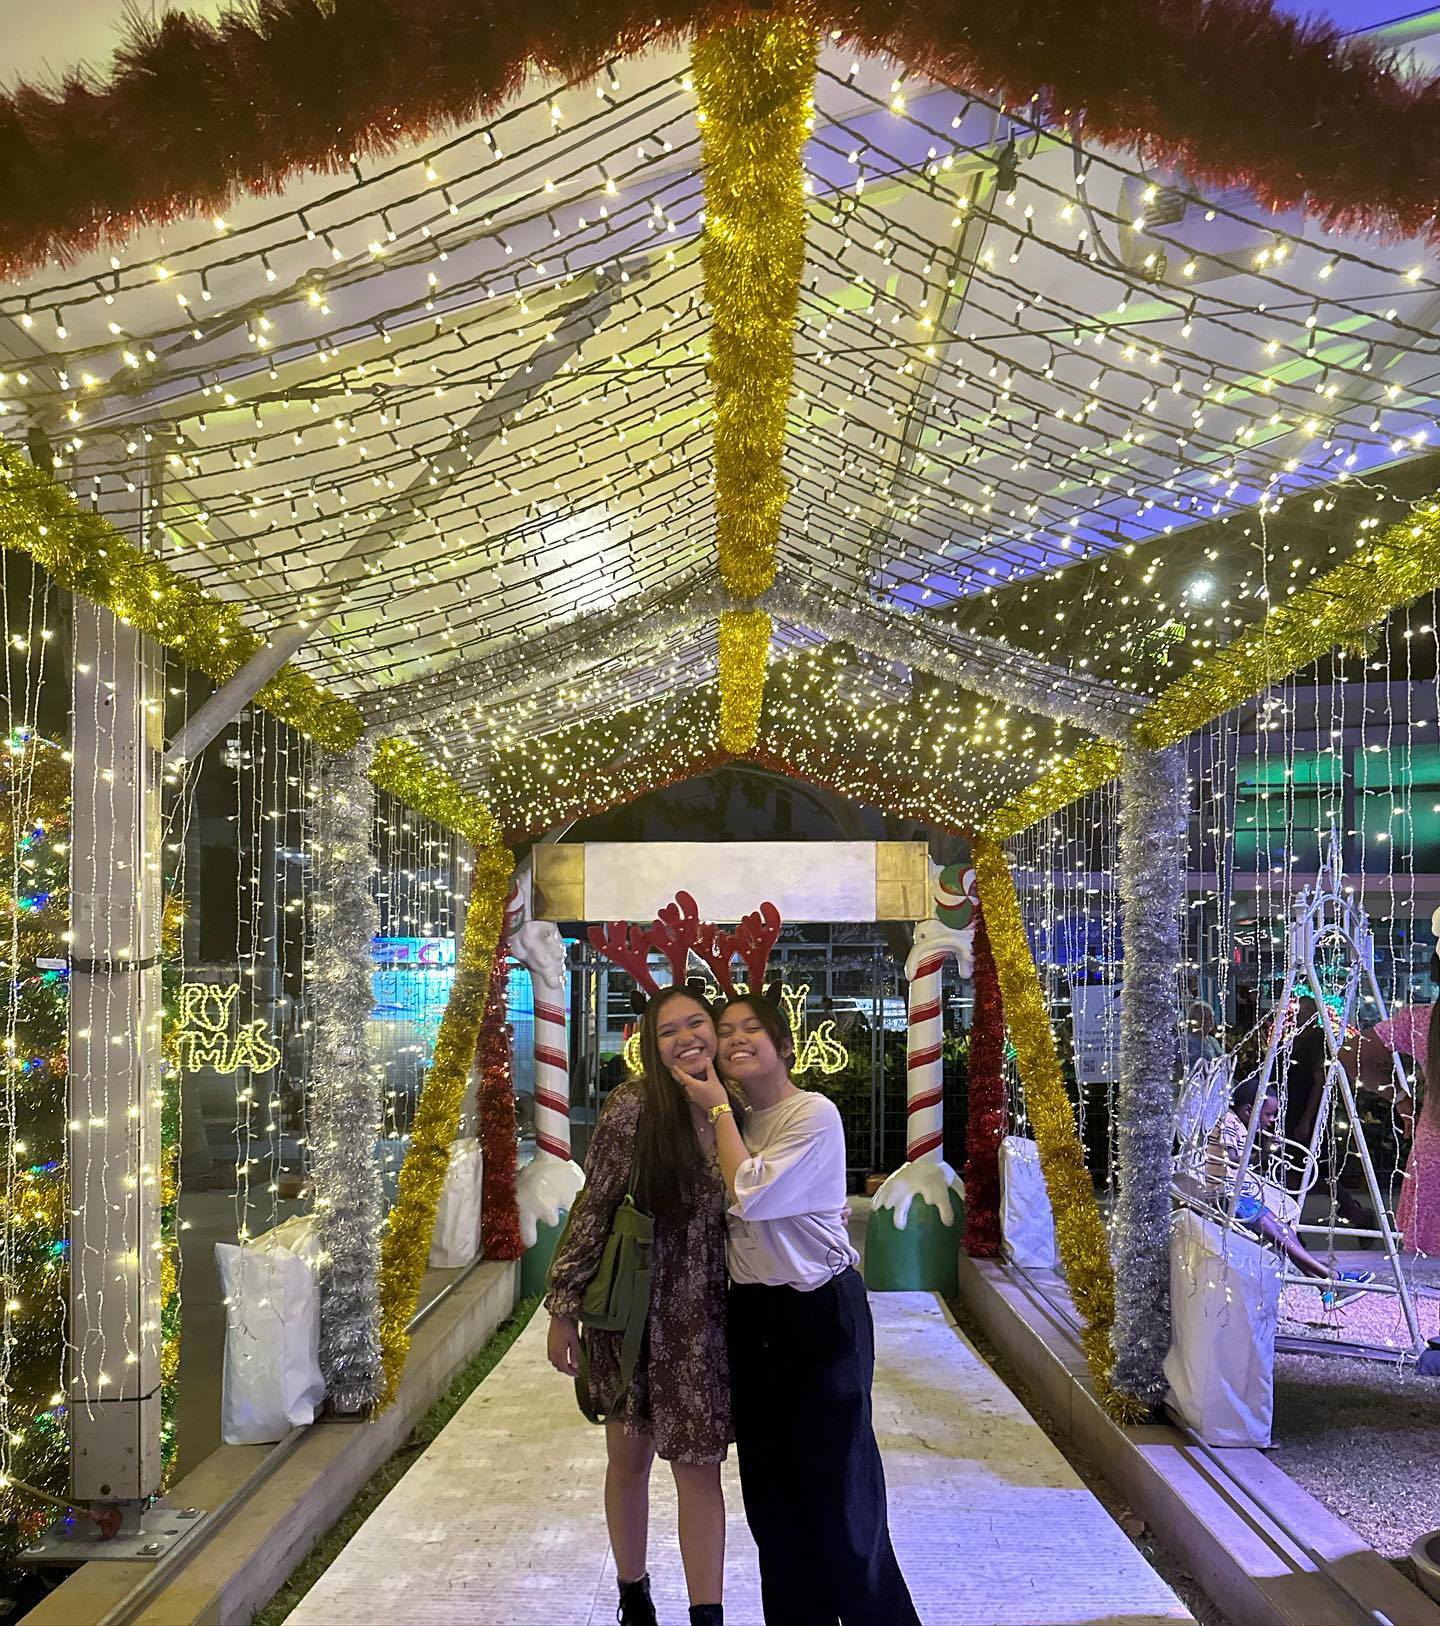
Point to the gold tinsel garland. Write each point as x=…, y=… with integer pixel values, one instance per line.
x=400, y=767
x=1092, y=765
x=86, y=554
x=411, y=1225
x=755, y=86
x=744, y=651
x=1079, y=1227
x=1334, y=612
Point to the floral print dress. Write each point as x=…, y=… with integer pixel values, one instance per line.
x=681, y=1392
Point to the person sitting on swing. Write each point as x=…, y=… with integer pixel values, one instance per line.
x=1225, y=1156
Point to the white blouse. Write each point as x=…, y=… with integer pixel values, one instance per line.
x=786, y=1224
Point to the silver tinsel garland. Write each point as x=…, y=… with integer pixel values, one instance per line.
x=966, y=660
x=1152, y=835
x=560, y=654
x=345, y=1083
x=528, y=666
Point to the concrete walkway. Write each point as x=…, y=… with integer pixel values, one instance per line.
x=500, y=1522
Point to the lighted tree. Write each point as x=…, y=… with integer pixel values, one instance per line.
x=34, y=916
x=34, y=1276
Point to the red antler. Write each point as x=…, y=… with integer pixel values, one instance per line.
x=675, y=932
x=755, y=936
x=717, y=949
x=628, y=947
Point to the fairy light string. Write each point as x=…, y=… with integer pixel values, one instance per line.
x=411, y=1225
x=1119, y=387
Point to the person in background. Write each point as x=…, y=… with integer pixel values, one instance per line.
x=1305, y=1081
x=1200, y=1043
x=1413, y=1031
x=849, y=1021
x=1304, y=1093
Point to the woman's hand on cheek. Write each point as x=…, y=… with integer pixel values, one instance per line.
x=705, y=1090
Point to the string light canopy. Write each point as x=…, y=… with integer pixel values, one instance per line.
x=447, y=411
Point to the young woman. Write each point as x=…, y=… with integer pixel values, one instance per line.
x=678, y=1404
x=802, y=1346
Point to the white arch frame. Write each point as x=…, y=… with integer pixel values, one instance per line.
x=1326, y=914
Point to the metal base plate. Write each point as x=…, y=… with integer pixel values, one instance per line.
x=1290, y=1343
x=74, y=1540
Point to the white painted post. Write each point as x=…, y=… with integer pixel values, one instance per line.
x=114, y=1082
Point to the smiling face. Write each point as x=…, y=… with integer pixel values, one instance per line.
x=684, y=1035
x=749, y=1046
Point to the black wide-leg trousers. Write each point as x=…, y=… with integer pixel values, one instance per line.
x=801, y=1366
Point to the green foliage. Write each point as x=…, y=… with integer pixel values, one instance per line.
x=34, y=1278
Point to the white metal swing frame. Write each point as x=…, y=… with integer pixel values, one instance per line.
x=1323, y=915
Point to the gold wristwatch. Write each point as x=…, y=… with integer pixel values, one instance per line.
x=715, y=1111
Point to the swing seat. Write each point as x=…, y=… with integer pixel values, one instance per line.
x=1290, y=1168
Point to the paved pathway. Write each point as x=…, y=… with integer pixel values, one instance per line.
x=500, y=1522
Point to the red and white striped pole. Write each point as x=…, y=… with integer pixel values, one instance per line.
x=552, y=1076
x=949, y=931
x=552, y=1049
x=924, y=1043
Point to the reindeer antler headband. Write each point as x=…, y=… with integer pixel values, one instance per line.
x=677, y=932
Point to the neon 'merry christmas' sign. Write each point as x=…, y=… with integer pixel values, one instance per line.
x=205, y=1040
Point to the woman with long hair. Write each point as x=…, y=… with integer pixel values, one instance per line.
x=677, y=1404
x=802, y=1344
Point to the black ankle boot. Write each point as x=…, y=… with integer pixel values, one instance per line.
x=707, y=1614
x=635, y=1608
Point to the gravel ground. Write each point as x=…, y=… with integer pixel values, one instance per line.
x=1362, y=1437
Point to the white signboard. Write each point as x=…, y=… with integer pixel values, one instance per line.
x=1095, y=1017
x=805, y=880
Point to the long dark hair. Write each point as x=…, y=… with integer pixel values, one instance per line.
x=668, y=1159
x=771, y=1018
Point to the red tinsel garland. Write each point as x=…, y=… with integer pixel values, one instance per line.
x=499, y=1213
x=985, y=1128
x=1232, y=91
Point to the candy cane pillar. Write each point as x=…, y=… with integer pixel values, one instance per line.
x=547, y=1185
x=924, y=1043
x=552, y=1051
x=912, y=1240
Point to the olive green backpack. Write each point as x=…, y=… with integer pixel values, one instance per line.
x=617, y=1299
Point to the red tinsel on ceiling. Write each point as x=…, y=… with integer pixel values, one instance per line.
x=1231, y=91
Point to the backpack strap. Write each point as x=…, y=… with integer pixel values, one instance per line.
x=634, y=1332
